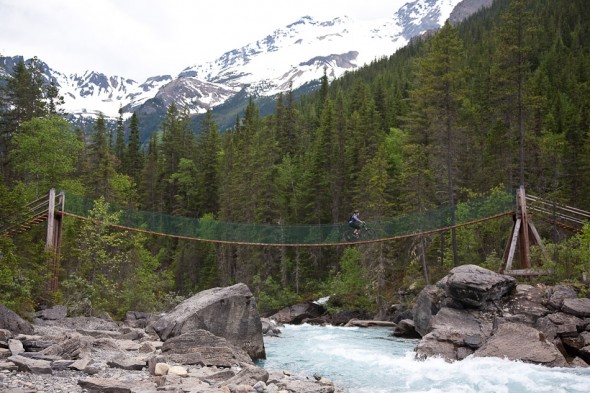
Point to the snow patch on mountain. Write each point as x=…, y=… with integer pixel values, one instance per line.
x=285, y=59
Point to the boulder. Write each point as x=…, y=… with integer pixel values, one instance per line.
x=5, y=335
x=138, y=319
x=72, y=348
x=15, y=346
x=53, y=313
x=248, y=375
x=521, y=342
x=35, y=366
x=406, y=329
x=579, y=307
x=297, y=313
x=228, y=312
x=92, y=384
x=473, y=286
x=125, y=363
x=559, y=293
x=270, y=327
x=204, y=348
x=451, y=330
x=528, y=303
x=428, y=303
x=10, y=320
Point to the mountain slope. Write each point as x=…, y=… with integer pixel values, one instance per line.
x=288, y=58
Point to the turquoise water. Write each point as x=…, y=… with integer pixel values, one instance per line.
x=368, y=360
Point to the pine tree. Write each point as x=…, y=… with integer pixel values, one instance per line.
x=208, y=161
x=22, y=100
x=134, y=156
x=509, y=72
x=102, y=162
x=119, y=149
x=54, y=99
x=439, y=94
x=150, y=186
x=177, y=142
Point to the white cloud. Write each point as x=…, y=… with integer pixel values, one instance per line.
x=141, y=38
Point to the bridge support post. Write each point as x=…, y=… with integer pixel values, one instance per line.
x=53, y=240
x=524, y=234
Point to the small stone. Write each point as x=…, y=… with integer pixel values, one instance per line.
x=260, y=387
x=161, y=369
x=178, y=370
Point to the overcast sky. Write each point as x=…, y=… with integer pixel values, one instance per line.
x=141, y=38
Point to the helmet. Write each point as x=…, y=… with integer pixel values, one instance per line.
x=356, y=210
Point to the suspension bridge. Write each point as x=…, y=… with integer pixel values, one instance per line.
x=52, y=208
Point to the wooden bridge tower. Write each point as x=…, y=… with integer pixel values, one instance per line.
x=523, y=235
x=54, y=234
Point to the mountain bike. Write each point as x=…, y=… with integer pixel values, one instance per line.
x=365, y=233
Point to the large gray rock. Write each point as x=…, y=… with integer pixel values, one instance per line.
x=579, y=307
x=521, y=342
x=454, y=334
x=559, y=293
x=204, y=348
x=35, y=366
x=527, y=302
x=228, y=312
x=53, y=313
x=11, y=321
x=297, y=313
x=249, y=375
x=114, y=386
x=71, y=348
x=473, y=286
x=428, y=304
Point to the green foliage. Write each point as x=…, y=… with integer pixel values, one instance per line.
x=45, y=151
x=114, y=273
x=16, y=288
x=570, y=259
x=271, y=296
x=407, y=139
x=350, y=284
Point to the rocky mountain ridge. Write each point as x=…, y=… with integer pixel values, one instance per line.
x=287, y=58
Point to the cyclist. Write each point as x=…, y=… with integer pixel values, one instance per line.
x=355, y=222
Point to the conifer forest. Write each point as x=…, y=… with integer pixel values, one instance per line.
x=499, y=101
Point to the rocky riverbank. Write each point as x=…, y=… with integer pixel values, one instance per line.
x=474, y=311
x=207, y=344
x=210, y=342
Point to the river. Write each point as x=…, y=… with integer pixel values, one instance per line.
x=369, y=360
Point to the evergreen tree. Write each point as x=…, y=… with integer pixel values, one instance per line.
x=22, y=100
x=134, y=156
x=150, y=184
x=439, y=95
x=177, y=142
x=119, y=149
x=208, y=161
x=101, y=162
x=510, y=70
x=55, y=100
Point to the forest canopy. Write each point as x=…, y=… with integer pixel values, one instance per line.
x=475, y=109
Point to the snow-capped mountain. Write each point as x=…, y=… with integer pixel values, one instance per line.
x=289, y=57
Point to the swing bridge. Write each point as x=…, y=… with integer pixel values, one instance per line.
x=51, y=208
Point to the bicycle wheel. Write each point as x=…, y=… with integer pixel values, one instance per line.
x=349, y=236
x=369, y=234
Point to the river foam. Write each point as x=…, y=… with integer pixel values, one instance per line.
x=363, y=360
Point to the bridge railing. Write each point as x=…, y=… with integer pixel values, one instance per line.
x=567, y=217
x=384, y=228
x=33, y=213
